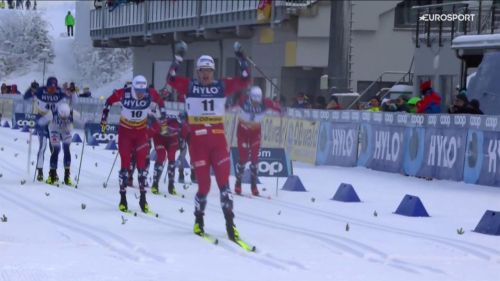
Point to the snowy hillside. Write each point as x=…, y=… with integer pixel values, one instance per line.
x=64, y=64
x=299, y=235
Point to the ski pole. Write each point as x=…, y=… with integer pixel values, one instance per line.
x=263, y=74
x=107, y=180
x=80, y=166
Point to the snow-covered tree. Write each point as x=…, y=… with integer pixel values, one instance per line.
x=101, y=65
x=24, y=41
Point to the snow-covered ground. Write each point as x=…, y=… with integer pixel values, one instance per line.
x=48, y=236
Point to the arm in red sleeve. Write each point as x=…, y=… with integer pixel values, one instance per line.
x=271, y=105
x=234, y=84
x=115, y=97
x=156, y=98
x=180, y=84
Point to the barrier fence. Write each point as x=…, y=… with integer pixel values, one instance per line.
x=454, y=147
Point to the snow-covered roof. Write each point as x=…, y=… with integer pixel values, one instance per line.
x=484, y=41
x=401, y=88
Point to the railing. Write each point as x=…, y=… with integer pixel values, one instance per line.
x=151, y=17
x=486, y=20
x=377, y=82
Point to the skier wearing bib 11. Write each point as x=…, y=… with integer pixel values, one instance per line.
x=132, y=132
x=205, y=100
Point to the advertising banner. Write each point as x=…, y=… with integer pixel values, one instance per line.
x=337, y=144
x=302, y=139
x=482, y=158
x=94, y=129
x=25, y=119
x=273, y=162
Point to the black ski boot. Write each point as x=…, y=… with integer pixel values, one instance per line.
x=181, y=176
x=39, y=176
x=226, y=202
x=156, y=179
x=142, y=183
x=53, y=177
x=143, y=203
x=240, y=168
x=67, y=177
x=200, y=202
x=123, y=206
x=253, y=180
x=171, y=176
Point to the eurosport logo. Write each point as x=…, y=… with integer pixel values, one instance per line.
x=29, y=123
x=447, y=17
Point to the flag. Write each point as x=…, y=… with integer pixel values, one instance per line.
x=264, y=11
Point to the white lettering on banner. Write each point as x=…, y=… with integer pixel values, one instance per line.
x=493, y=154
x=324, y=114
x=315, y=114
x=432, y=120
x=270, y=168
x=445, y=120
x=22, y=123
x=345, y=115
x=343, y=142
x=335, y=115
x=264, y=153
x=491, y=122
x=205, y=90
x=475, y=121
x=388, y=118
x=459, y=120
x=442, y=151
x=365, y=116
x=355, y=116
x=387, y=147
x=402, y=118
x=417, y=120
x=377, y=117
x=104, y=137
x=133, y=103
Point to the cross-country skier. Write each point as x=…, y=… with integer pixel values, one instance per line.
x=52, y=105
x=166, y=144
x=253, y=108
x=132, y=132
x=205, y=106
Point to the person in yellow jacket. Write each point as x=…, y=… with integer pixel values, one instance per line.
x=70, y=22
x=374, y=105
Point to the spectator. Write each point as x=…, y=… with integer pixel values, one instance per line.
x=4, y=89
x=2, y=4
x=431, y=101
x=320, y=103
x=374, y=105
x=301, y=101
x=72, y=89
x=402, y=103
x=31, y=91
x=474, y=103
x=460, y=105
x=14, y=90
x=86, y=93
x=70, y=22
x=412, y=104
x=334, y=103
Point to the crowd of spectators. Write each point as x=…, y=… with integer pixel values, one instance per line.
x=18, y=4
x=113, y=4
x=429, y=101
x=69, y=88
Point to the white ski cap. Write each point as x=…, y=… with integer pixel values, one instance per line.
x=256, y=94
x=205, y=61
x=140, y=84
x=63, y=110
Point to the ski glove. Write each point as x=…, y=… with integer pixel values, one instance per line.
x=104, y=122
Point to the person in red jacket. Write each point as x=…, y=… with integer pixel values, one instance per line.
x=132, y=132
x=431, y=101
x=205, y=106
x=253, y=108
x=166, y=144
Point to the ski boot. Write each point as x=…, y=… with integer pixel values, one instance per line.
x=142, y=202
x=239, y=174
x=53, y=178
x=171, y=176
x=171, y=189
x=156, y=179
x=39, y=176
x=198, y=225
x=123, y=206
x=232, y=232
x=253, y=180
x=67, y=178
x=193, y=177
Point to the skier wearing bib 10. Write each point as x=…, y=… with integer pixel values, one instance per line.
x=253, y=108
x=205, y=100
x=132, y=132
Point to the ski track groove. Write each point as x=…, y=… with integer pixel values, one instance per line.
x=84, y=230
x=176, y=225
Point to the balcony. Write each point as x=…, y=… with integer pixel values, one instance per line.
x=161, y=22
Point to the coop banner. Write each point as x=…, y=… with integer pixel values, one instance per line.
x=25, y=119
x=94, y=130
x=337, y=144
x=302, y=139
x=482, y=158
x=273, y=162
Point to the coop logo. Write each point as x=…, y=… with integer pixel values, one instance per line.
x=104, y=137
x=270, y=168
x=447, y=17
x=402, y=118
x=445, y=120
x=29, y=123
x=389, y=118
x=459, y=120
x=432, y=120
x=417, y=120
x=475, y=121
x=491, y=122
